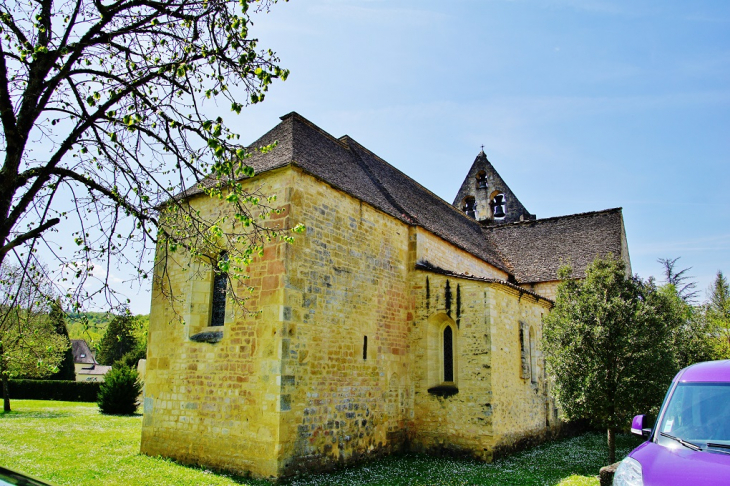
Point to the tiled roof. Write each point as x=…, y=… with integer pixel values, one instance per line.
x=531, y=251
x=537, y=249
x=428, y=267
x=95, y=370
x=346, y=165
x=81, y=351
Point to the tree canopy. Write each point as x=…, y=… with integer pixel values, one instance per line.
x=118, y=340
x=682, y=282
x=609, y=345
x=717, y=311
x=29, y=344
x=57, y=318
x=117, y=106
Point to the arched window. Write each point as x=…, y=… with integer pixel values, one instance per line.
x=470, y=206
x=533, y=357
x=524, y=351
x=499, y=206
x=481, y=180
x=220, y=288
x=448, y=354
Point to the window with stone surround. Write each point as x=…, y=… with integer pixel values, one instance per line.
x=533, y=356
x=524, y=352
x=365, y=347
x=448, y=356
x=220, y=289
x=442, y=365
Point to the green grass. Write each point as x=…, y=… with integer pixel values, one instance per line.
x=69, y=443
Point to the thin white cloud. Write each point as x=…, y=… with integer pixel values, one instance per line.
x=715, y=243
x=378, y=12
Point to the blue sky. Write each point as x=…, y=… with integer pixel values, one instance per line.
x=581, y=105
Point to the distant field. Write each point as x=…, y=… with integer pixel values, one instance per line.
x=69, y=443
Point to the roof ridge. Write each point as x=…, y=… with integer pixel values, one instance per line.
x=379, y=184
x=365, y=149
x=293, y=115
x=552, y=218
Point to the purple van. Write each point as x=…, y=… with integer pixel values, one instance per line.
x=690, y=443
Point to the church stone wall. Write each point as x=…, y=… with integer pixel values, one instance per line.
x=347, y=280
x=217, y=404
x=459, y=423
x=549, y=290
x=521, y=407
x=496, y=403
x=443, y=254
x=294, y=387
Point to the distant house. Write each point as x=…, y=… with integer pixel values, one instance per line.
x=85, y=365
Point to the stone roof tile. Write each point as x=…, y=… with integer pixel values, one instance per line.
x=537, y=249
x=532, y=251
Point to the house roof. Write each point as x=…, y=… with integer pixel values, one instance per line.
x=81, y=351
x=537, y=249
x=530, y=251
x=94, y=370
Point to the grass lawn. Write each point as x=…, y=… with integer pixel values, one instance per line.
x=69, y=443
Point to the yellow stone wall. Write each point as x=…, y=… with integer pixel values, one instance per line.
x=521, y=407
x=443, y=254
x=217, y=404
x=495, y=403
x=549, y=290
x=347, y=279
x=289, y=388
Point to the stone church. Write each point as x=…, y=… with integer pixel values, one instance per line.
x=397, y=321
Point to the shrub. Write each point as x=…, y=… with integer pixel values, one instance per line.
x=119, y=392
x=66, y=391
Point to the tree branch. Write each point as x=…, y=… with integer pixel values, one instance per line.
x=34, y=233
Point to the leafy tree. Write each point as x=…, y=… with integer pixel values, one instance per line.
x=684, y=286
x=718, y=314
x=29, y=343
x=693, y=336
x=119, y=393
x=57, y=318
x=609, y=346
x=139, y=332
x=109, y=109
x=118, y=340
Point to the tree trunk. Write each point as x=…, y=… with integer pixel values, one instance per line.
x=6, y=394
x=4, y=375
x=611, y=445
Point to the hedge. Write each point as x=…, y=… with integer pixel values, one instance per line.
x=61, y=390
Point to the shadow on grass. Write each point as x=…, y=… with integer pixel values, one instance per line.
x=33, y=414
x=236, y=478
x=572, y=461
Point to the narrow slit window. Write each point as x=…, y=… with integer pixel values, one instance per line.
x=533, y=357
x=448, y=354
x=220, y=288
x=365, y=348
